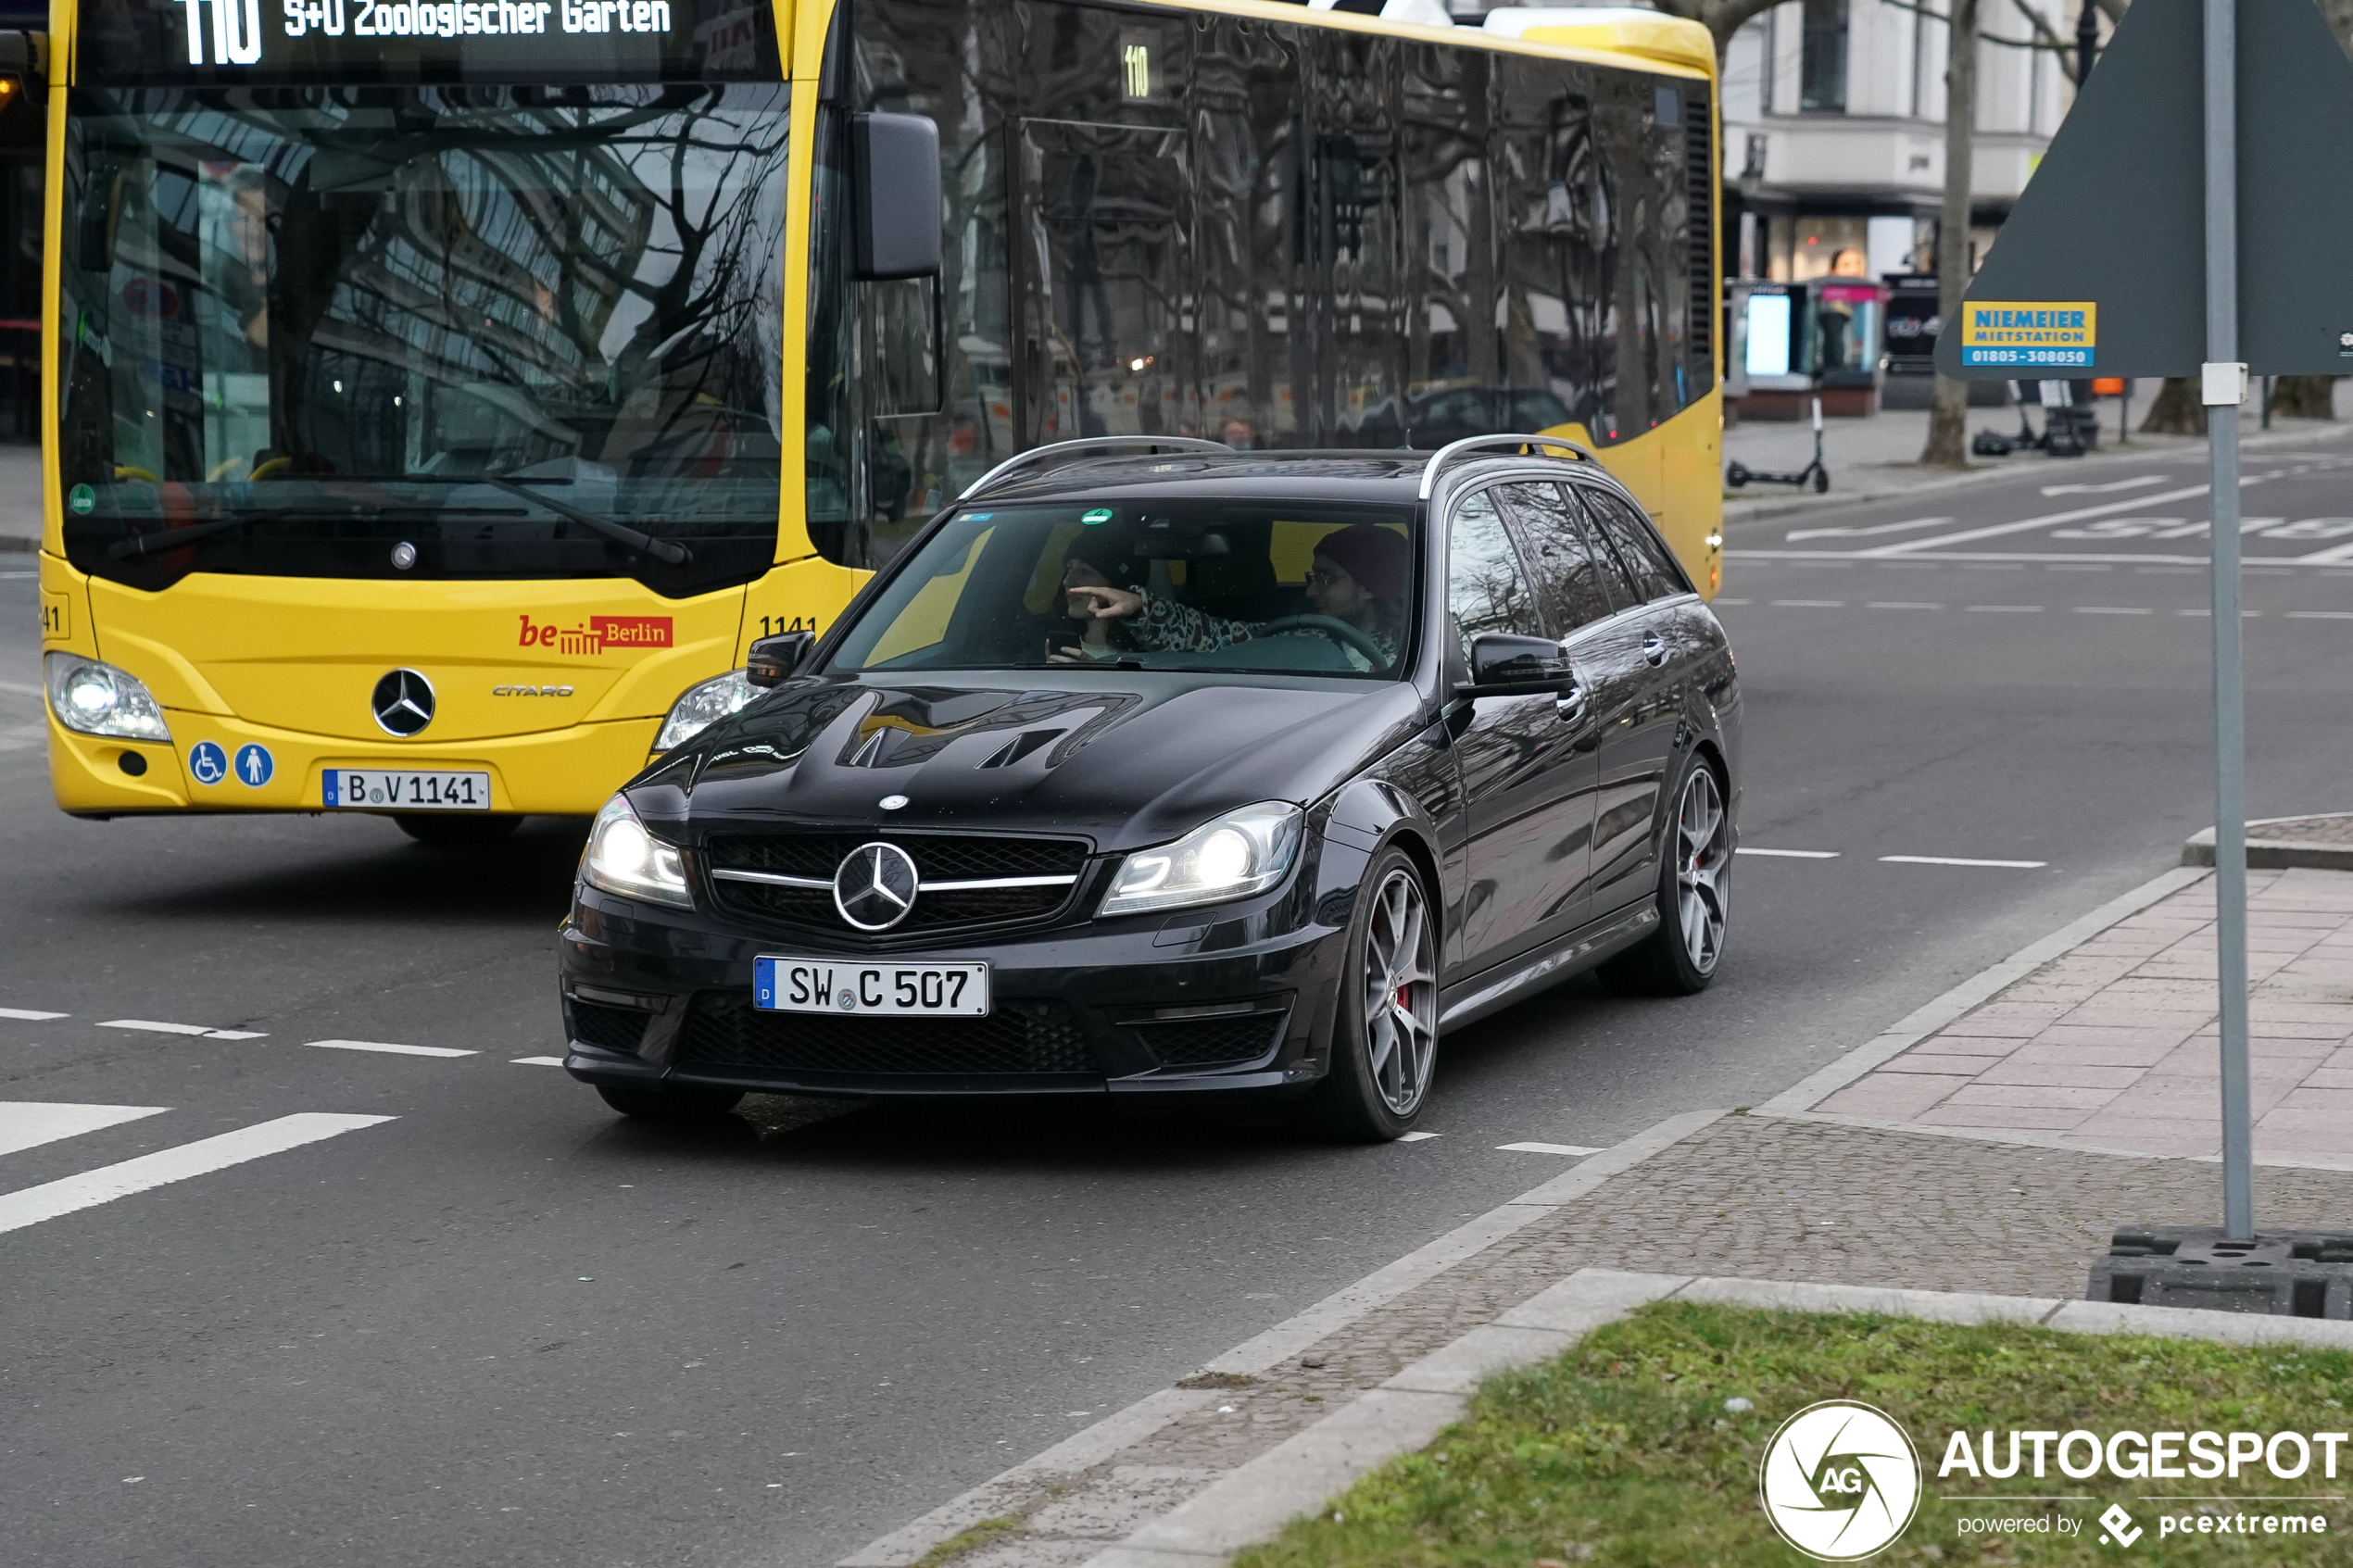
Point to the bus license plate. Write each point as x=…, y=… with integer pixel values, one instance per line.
x=381, y=790
x=901, y=990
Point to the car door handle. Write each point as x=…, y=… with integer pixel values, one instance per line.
x=1571, y=704
x=1654, y=648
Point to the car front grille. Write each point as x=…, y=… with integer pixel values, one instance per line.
x=611, y=1028
x=1212, y=1042
x=939, y=858
x=724, y=1031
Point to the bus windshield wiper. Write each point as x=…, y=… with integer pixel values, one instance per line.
x=620, y=533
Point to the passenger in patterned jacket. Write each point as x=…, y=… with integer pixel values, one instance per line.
x=1360, y=576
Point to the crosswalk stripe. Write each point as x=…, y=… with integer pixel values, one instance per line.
x=387, y=1047
x=153, y=1027
x=108, y=1183
x=29, y=1015
x=30, y=1123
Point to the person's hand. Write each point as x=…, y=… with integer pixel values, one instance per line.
x=1094, y=602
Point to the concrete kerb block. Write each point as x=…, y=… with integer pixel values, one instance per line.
x=2192, y=1323
x=1588, y=1299
x=1462, y=1366
x=1934, y=1305
x=1252, y=1503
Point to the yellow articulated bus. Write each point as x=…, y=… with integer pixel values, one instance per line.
x=443, y=394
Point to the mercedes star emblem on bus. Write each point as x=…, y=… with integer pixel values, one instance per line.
x=402, y=703
x=875, y=887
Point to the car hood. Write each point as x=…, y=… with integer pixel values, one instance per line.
x=1126, y=762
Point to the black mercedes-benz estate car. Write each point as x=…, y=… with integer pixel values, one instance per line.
x=1167, y=771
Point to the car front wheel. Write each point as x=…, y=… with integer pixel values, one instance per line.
x=1385, y=1031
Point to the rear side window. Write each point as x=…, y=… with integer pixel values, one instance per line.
x=1637, y=546
x=1572, y=569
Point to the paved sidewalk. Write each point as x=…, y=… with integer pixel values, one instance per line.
x=2114, y=1045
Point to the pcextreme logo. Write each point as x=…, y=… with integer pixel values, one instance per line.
x=599, y=634
x=1839, y=1481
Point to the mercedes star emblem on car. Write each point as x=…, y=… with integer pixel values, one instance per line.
x=402, y=703
x=875, y=887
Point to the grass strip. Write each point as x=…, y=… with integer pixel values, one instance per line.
x=1624, y=1450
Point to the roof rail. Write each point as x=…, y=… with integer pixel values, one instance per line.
x=1087, y=443
x=1438, y=459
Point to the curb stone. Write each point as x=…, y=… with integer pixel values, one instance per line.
x=2320, y=843
x=1405, y=1413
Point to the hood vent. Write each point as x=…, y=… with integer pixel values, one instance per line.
x=1021, y=746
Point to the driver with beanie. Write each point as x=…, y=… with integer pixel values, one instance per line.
x=1360, y=577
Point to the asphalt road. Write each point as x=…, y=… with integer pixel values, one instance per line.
x=504, y=1327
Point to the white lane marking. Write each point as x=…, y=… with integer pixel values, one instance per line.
x=2244, y=615
x=2111, y=610
x=1720, y=601
x=1544, y=1148
x=2000, y=561
x=1967, y=535
x=1949, y=860
x=1420, y=1137
x=538, y=1062
x=2329, y=557
x=2004, y=609
x=30, y=1123
x=2320, y=615
x=387, y=1048
x=30, y=1015
x=152, y=1027
x=1900, y=604
x=108, y=1183
x=1811, y=603
x=1861, y=532
x=1791, y=854
x=2103, y=489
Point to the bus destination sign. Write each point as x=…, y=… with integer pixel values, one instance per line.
x=227, y=40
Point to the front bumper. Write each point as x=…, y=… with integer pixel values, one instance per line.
x=1233, y=999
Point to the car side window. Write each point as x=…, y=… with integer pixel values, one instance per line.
x=1570, y=566
x=1487, y=590
x=1636, y=543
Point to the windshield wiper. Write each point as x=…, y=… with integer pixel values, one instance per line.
x=620, y=533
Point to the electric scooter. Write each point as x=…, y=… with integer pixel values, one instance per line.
x=1738, y=474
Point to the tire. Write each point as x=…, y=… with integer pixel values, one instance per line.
x=1680, y=959
x=438, y=830
x=665, y=1102
x=1385, y=1025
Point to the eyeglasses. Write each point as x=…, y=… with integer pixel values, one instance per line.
x=1328, y=576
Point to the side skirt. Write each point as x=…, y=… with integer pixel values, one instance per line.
x=1469, y=1000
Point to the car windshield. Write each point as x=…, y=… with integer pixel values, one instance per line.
x=1266, y=587
x=311, y=324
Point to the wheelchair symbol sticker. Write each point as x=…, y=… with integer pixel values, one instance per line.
x=254, y=765
x=207, y=763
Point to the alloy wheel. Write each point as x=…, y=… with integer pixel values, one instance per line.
x=1702, y=856
x=1401, y=994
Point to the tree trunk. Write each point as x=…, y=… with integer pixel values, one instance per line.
x=2176, y=410
x=2304, y=397
x=1949, y=418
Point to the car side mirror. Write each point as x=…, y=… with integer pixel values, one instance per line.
x=773, y=659
x=1506, y=664
x=896, y=204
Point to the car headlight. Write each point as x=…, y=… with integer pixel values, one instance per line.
x=702, y=707
x=98, y=700
x=624, y=858
x=1238, y=854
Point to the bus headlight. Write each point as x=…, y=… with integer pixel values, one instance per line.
x=98, y=700
x=624, y=858
x=702, y=707
x=1228, y=857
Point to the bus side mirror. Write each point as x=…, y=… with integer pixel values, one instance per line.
x=896, y=203
x=773, y=659
x=24, y=68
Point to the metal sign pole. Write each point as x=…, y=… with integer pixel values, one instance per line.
x=2225, y=388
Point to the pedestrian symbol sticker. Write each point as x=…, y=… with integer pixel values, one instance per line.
x=207, y=763
x=254, y=765
x=2003, y=331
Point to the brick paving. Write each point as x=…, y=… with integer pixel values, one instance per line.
x=1750, y=1197
x=2114, y=1045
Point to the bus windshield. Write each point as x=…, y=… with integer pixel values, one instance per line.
x=461, y=331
